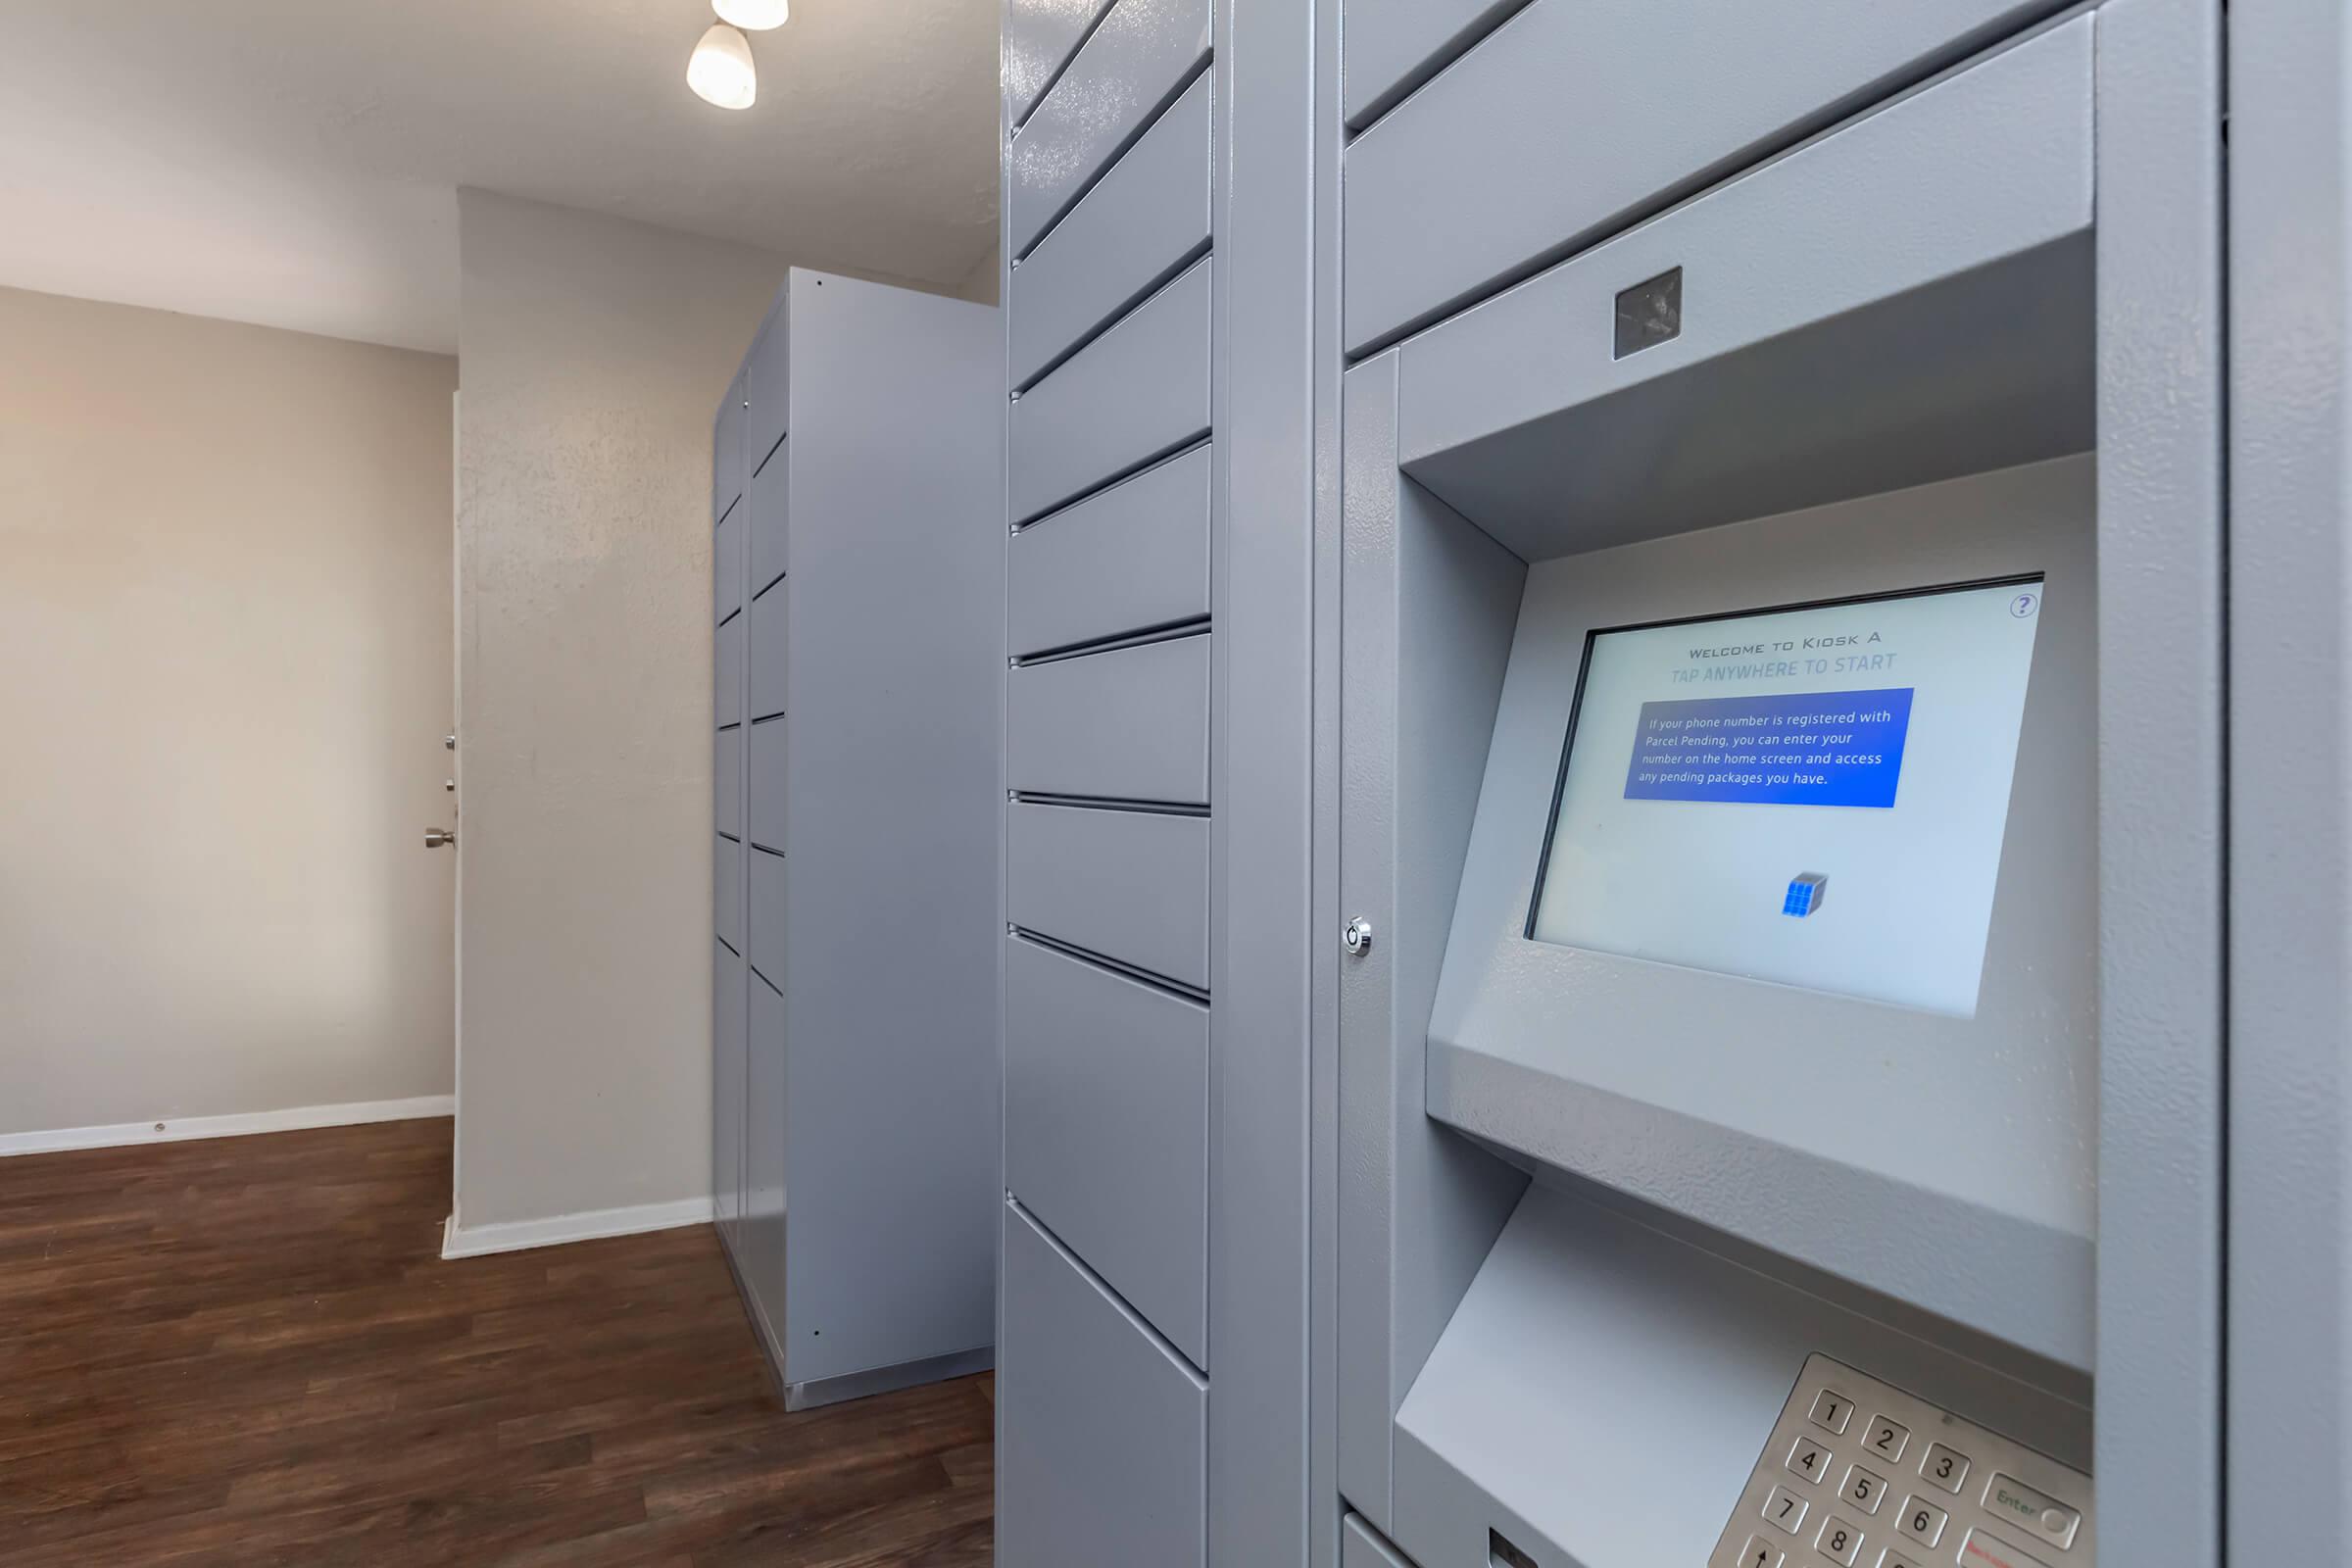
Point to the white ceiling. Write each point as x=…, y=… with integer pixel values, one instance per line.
x=295, y=163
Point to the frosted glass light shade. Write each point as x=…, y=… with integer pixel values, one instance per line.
x=721, y=71
x=753, y=16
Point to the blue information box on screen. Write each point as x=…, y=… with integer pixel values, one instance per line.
x=1799, y=749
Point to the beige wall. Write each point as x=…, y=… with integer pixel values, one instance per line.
x=594, y=353
x=981, y=285
x=225, y=622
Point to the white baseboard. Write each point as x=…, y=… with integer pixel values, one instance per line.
x=185, y=1128
x=515, y=1236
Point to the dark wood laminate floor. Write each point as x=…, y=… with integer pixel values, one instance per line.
x=249, y=1351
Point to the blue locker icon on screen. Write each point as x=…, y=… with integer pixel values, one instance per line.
x=1805, y=894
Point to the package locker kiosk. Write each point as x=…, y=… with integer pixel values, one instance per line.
x=858, y=582
x=1777, y=781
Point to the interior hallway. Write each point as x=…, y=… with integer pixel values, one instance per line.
x=249, y=1351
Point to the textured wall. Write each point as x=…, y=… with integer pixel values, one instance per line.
x=225, y=618
x=593, y=355
x=985, y=280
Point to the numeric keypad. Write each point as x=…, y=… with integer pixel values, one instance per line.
x=1857, y=1473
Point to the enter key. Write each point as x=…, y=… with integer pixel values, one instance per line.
x=2037, y=1512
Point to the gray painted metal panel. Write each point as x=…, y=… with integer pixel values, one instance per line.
x=771, y=652
x=726, y=891
x=1393, y=46
x=767, y=519
x=2289, y=1217
x=1132, y=886
x=1324, y=915
x=1875, y=383
x=729, y=1044
x=769, y=790
x=1128, y=558
x=1106, y=1130
x=1983, y=1213
x=1128, y=724
x=726, y=674
x=1576, y=116
x=1136, y=229
x=1136, y=392
x=1040, y=36
x=1592, y=1344
x=1364, y=1548
x=1430, y=604
x=1101, y=1457
x=767, y=388
x=769, y=882
x=893, y=778
x=1131, y=68
x=727, y=467
x=760, y=1244
x=2160, y=1448
x=1267, y=381
x=727, y=773
x=728, y=564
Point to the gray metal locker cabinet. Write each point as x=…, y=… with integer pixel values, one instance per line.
x=1626, y=1258
x=867, y=1091
x=1153, y=1372
x=1787, y=302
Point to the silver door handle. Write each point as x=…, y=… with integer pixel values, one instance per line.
x=436, y=837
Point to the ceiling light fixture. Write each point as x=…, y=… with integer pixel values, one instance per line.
x=721, y=72
x=753, y=16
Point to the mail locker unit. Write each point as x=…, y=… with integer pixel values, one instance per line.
x=1106, y=1359
x=861, y=677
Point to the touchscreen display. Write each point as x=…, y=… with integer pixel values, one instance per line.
x=1813, y=796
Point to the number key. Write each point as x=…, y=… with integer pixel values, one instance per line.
x=1808, y=1461
x=1784, y=1510
x=1944, y=1467
x=1832, y=1410
x=1839, y=1542
x=1921, y=1520
x=1887, y=1438
x=1863, y=1490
